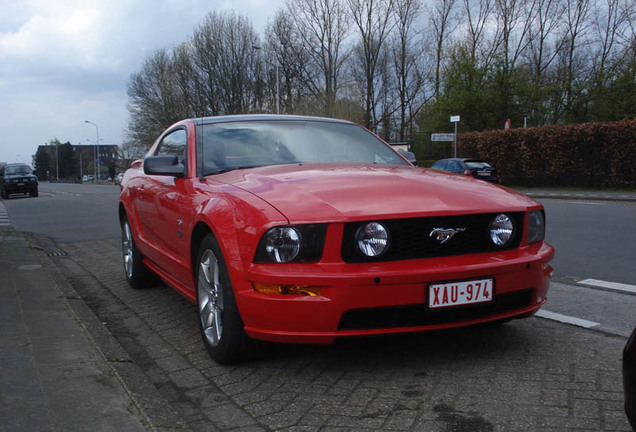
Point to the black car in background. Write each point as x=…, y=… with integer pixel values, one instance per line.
x=629, y=379
x=473, y=167
x=17, y=178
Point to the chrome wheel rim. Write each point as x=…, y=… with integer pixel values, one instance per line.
x=127, y=249
x=210, y=298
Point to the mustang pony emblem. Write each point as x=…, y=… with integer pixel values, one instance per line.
x=445, y=234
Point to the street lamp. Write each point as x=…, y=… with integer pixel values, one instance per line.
x=97, y=144
x=256, y=47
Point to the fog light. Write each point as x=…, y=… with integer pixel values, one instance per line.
x=298, y=290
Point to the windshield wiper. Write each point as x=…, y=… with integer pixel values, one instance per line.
x=228, y=169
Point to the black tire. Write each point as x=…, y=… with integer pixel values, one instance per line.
x=137, y=274
x=219, y=319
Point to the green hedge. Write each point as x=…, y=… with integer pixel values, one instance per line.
x=588, y=155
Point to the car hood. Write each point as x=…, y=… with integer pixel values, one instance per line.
x=330, y=193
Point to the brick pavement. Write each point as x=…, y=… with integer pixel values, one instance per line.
x=530, y=375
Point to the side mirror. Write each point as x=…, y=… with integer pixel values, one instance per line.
x=164, y=165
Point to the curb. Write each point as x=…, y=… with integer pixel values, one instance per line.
x=155, y=411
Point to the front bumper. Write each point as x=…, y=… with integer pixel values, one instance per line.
x=389, y=297
x=16, y=188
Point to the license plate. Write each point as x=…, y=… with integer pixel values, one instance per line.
x=484, y=173
x=20, y=184
x=460, y=293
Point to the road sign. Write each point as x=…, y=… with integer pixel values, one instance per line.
x=454, y=119
x=442, y=136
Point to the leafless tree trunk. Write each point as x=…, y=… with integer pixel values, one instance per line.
x=576, y=16
x=407, y=55
x=154, y=99
x=373, y=21
x=443, y=23
x=514, y=18
x=478, y=13
x=322, y=26
x=226, y=63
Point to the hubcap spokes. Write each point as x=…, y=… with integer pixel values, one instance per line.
x=127, y=250
x=210, y=298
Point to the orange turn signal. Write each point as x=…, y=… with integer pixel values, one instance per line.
x=300, y=290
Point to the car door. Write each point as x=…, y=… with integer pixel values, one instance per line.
x=169, y=198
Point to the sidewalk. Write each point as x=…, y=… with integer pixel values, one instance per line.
x=52, y=377
x=589, y=195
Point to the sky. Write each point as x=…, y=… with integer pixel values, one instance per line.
x=63, y=62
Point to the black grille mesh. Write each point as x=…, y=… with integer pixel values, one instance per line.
x=409, y=238
x=421, y=315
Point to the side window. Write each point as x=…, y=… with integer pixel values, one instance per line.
x=454, y=166
x=174, y=144
x=439, y=165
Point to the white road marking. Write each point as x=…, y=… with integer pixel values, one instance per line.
x=566, y=319
x=588, y=203
x=614, y=286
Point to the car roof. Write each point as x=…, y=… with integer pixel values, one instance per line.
x=463, y=159
x=264, y=117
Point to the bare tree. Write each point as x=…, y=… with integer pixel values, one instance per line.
x=407, y=57
x=373, y=22
x=322, y=26
x=154, y=98
x=443, y=24
x=286, y=49
x=477, y=13
x=514, y=18
x=612, y=18
x=227, y=68
x=542, y=50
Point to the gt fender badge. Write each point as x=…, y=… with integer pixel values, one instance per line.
x=445, y=234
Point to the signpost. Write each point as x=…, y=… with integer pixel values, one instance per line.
x=455, y=119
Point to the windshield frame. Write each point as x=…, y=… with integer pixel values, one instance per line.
x=249, y=143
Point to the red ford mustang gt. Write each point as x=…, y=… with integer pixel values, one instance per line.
x=303, y=230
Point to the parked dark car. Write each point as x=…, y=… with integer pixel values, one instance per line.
x=629, y=379
x=472, y=167
x=17, y=178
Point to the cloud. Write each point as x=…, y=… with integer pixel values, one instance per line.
x=66, y=61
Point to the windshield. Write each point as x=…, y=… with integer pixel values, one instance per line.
x=244, y=144
x=17, y=169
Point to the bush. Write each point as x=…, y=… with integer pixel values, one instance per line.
x=588, y=155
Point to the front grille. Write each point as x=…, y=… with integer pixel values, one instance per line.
x=421, y=315
x=409, y=238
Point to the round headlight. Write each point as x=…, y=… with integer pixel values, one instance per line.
x=372, y=239
x=282, y=244
x=501, y=230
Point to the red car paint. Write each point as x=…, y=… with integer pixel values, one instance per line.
x=238, y=207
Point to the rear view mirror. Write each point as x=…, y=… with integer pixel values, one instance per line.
x=164, y=165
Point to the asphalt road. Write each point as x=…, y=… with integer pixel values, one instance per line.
x=536, y=374
x=68, y=212
x=593, y=239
